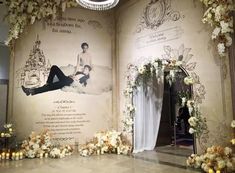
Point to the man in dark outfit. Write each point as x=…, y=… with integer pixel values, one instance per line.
x=183, y=115
x=63, y=81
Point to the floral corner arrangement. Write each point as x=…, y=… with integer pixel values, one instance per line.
x=216, y=159
x=7, y=132
x=218, y=15
x=40, y=145
x=106, y=142
x=23, y=13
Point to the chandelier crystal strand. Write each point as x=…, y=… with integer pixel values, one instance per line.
x=98, y=4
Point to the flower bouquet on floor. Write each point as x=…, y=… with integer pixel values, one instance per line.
x=106, y=142
x=216, y=159
x=40, y=145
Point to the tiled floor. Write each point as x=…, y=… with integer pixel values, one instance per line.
x=146, y=162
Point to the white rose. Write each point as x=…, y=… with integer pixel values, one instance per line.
x=221, y=164
x=227, y=151
x=193, y=121
x=233, y=124
x=192, y=130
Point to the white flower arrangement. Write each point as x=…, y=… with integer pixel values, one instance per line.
x=216, y=158
x=23, y=13
x=106, y=142
x=218, y=15
x=60, y=152
x=40, y=144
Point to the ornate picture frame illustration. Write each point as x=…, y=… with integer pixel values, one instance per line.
x=156, y=13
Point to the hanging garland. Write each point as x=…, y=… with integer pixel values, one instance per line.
x=23, y=13
x=218, y=15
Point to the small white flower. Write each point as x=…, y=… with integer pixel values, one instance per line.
x=221, y=49
x=142, y=69
x=215, y=33
x=227, y=151
x=225, y=28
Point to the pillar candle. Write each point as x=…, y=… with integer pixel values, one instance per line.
x=102, y=151
x=7, y=156
x=118, y=150
x=41, y=155
x=3, y=156
x=218, y=171
x=98, y=152
x=21, y=155
x=211, y=171
x=13, y=155
x=17, y=156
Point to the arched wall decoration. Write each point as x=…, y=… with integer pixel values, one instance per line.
x=172, y=60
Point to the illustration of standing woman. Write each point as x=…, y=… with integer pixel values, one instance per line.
x=81, y=75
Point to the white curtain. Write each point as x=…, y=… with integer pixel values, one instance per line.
x=148, y=102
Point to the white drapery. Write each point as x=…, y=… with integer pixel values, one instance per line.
x=148, y=102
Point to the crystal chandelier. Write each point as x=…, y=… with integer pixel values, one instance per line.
x=98, y=4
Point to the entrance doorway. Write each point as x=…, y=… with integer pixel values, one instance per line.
x=173, y=136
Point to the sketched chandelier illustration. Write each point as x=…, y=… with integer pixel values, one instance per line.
x=98, y=4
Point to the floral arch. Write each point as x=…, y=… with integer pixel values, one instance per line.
x=173, y=61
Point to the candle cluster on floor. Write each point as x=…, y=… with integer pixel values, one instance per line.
x=8, y=155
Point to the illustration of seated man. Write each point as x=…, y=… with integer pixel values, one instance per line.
x=63, y=80
x=83, y=76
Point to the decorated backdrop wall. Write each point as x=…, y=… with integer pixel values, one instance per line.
x=173, y=29
x=75, y=112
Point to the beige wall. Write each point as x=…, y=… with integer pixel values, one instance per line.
x=191, y=32
x=94, y=102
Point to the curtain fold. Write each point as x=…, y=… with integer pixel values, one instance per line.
x=148, y=102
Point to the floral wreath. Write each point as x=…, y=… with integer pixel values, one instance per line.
x=173, y=61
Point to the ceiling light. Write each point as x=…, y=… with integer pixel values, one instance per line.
x=98, y=4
